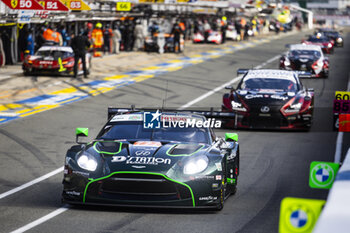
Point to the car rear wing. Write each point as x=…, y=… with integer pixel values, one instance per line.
x=112, y=111
x=242, y=71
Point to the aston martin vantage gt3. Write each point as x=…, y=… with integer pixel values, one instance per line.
x=153, y=159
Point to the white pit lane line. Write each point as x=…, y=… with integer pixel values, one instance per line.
x=65, y=208
x=30, y=183
x=41, y=220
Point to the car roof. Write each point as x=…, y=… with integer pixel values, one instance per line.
x=56, y=48
x=272, y=74
x=305, y=47
x=173, y=116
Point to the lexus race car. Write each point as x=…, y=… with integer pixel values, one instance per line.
x=324, y=42
x=53, y=60
x=334, y=35
x=306, y=58
x=274, y=99
x=150, y=159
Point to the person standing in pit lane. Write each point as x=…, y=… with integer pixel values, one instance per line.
x=223, y=31
x=65, y=37
x=207, y=29
x=116, y=38
x=79, y=45
x=107, y=32
x=128, y=36
x=177, y=32
x=139, y=36
x=30, y=43
x=97, y=39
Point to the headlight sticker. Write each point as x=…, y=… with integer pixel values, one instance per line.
x=218, y=166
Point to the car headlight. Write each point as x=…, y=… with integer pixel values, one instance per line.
x=286, y=62
x=339, y=39
x=296, y=106
x=293, y=106
x=196, y=165
x=238, y=106
x=329, y=45
x=87, y=162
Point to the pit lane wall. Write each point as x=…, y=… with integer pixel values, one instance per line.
x=335, y=216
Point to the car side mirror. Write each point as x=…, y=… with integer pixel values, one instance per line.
x=310, y=90
x=231, y=137
x=230, y=88
x=81, y=132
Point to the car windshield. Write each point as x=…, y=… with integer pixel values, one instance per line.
x=321, y=39
x=331, y=33
x=134, y=131
x=54, y=53
x=269, y=83
x=301, y=53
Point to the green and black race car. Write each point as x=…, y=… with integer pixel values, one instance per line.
x=153, y=159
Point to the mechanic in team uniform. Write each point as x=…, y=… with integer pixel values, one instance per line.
x=79, y=45
x=97, y=39
x=177, y=31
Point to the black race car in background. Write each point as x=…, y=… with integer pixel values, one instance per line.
x=333, y=34
x=53, y=60
x=306, y=58
x=274, y=99
x=170, y=166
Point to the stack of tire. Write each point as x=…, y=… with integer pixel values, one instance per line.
x=8, y=45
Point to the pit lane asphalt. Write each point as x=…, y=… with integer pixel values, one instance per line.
x=273, y=164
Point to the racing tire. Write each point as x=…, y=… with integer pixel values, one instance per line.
x=325, y=74
x=26, y=72
x=233, y=188
x=220, y=206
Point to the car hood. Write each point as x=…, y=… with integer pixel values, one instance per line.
x=143, y=156
x=41, y=60
x=265, y=97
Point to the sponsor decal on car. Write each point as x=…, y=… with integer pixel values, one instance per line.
x=278, y=97
x=218, y=166
x=74, y=193
x=150, y=144
x=208, y=198
x=142, y=153
x=248, y=97
x=202, y=177
x=140, y=160
x=81, y=173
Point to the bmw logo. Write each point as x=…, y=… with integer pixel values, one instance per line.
x=265, y=109
x=298, y=218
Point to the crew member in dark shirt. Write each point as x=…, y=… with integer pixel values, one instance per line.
x=79, y=45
